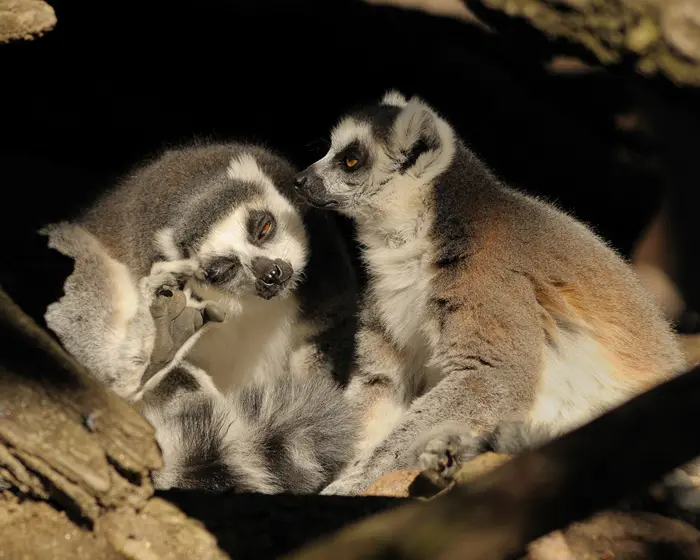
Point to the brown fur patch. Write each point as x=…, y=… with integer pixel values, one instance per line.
x=609, y=323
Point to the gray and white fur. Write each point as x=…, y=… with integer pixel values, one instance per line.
x=221, y=219
x=484, y=305
x=104, y=317
x=284, y=434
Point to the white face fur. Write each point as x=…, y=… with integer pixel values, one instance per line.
x=373, y=151
x=264, y=233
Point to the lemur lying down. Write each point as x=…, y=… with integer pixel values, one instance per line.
x=221, y=221
x=216, y=223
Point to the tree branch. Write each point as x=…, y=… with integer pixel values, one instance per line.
x=495, y=517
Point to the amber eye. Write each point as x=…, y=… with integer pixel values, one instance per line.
x=266, y=229
x=350, y=162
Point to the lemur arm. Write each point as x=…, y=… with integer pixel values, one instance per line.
x=490, y=358
x=458, y=399
x=379, y=388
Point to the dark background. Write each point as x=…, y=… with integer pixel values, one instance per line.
x=116, y=82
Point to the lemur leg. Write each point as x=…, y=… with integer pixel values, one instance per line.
x=490, y=376
x=105, y=318
x=377, y=389
x=474, y=399
x=178, y=325
x=143, y=329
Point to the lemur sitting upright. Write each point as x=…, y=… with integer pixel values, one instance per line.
x=484, y=305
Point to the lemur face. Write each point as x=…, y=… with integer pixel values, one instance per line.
x=257, y=245
x=259, y=248
x=373, y=149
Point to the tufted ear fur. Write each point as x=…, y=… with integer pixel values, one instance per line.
x=394, y=98
x=416, y=136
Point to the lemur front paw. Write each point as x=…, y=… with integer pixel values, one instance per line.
x=169, y=275
x=443, y=455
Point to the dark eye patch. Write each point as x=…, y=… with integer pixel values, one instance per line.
x=354, y=150
x=223, y=269
x=261, y=226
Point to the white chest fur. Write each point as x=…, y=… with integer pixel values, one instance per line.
x=399, y=255
x=253, y=343
x=401, y=286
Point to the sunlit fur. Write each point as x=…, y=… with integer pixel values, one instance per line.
x=484, y=306
x=286, y=434
x=165, y=224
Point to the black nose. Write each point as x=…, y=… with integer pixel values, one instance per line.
x=271, y=272
x=299, y=181
x=272, y=275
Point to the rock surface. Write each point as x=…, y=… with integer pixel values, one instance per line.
x=662, y=36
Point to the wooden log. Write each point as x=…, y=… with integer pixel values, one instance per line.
x=660, y=36
x=496, y=516
x=25, y=19
x=75, y=460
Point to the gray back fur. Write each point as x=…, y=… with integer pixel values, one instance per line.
x=185, y=188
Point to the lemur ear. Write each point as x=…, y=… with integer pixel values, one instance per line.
x=394, y=98
x=416, y=129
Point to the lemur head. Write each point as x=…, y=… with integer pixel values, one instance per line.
x=396, y=143
x=247, y=237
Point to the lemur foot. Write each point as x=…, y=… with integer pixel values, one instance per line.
x=683, y=490
x=443, y=455
x=176, y=322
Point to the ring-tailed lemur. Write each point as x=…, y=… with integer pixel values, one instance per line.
x=218, y=219
x=221, y=218
x=484, y=305
x=284, y=434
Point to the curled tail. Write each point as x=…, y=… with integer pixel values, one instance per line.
x=285, y=435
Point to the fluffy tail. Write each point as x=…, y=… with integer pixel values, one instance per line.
x=286, y=435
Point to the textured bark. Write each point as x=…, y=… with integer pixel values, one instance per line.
x=611, y=535
x=25, y=19
x=660, y=35
x=75, y=461
x=497, y=515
